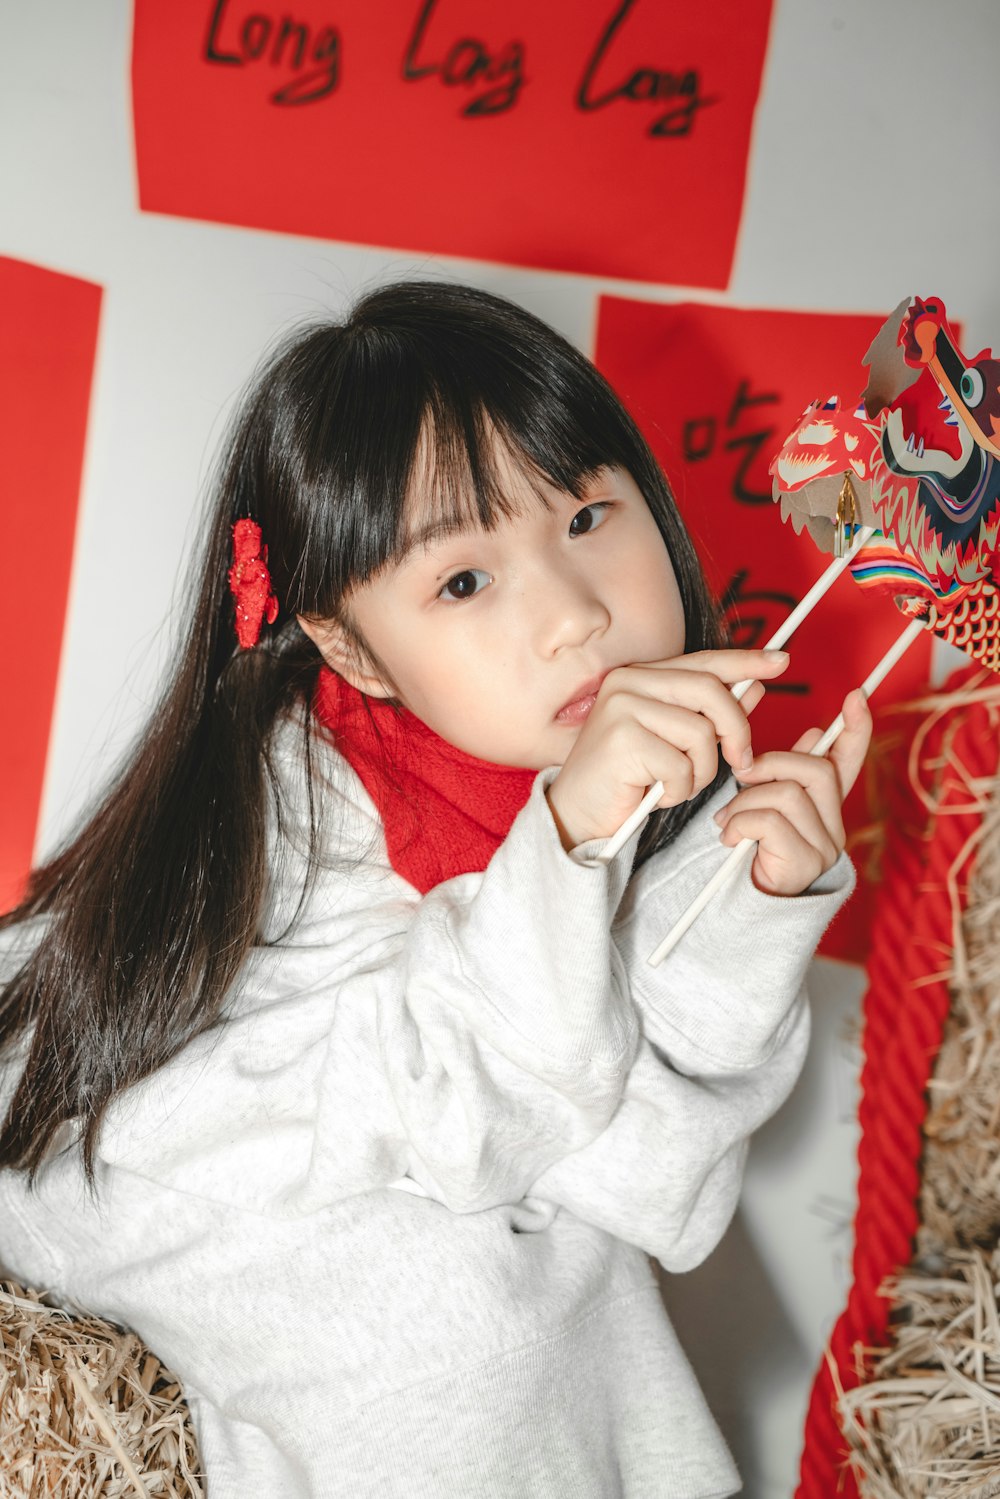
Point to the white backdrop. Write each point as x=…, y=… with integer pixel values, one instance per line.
x=872, y=175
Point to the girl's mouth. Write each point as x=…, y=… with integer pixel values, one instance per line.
x=578, y=708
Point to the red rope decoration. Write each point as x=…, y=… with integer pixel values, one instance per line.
x=907, y=1002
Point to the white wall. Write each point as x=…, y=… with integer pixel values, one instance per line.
x=872, y=175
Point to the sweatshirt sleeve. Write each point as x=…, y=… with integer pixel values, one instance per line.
x=725, y=1028
x=465, y=1039
x=725, y=995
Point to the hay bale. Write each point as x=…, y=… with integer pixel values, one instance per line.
x=86, y=1410
x=960, y=1185
x=927, y=1424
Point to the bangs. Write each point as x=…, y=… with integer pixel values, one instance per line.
x=409, y=417
x=460, y=478
x=433, y=442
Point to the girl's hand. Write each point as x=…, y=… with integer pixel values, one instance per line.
x=660, y=721
x=791, y=802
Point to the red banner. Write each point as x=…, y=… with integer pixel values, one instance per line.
x=607, y=137
x=716, y=390
x=47, y=350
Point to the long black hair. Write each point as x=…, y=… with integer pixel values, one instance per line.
x=149, y=912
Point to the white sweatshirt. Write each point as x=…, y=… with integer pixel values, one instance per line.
x=390, y=1222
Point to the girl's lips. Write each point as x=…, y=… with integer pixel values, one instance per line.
x=576, y=710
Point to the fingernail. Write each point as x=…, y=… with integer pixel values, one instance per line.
x=747, y=761
x=777, y=655
x=720, y=816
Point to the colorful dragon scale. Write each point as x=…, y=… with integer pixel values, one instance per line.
x=973, y=625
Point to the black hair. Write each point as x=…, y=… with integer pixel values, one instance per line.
x=151, y=908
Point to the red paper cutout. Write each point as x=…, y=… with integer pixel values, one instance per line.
x=714, y=390
x=49, y=326
x=605, y=137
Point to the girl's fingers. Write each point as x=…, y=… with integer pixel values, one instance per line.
x=657, y=721
x=700, y=684
x=777, y=811
x=848, y=753
x=665, y=736
x=676, y=773
x=805, y=741
x=691, y=733
x=752, y=696
x=818, y=778
x=732, y=666
x=698, y=692
x=785, y=863
x=828, y=779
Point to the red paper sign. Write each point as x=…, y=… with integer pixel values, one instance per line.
x=606, y=137
x=49, y=326
x=716, y=390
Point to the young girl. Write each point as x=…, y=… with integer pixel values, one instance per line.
x=333, y=1063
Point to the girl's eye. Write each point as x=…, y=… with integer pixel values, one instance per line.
x=589, y=518
x=464, y=584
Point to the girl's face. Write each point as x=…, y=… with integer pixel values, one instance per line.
x=498, y=640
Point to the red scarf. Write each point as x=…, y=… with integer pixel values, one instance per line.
x=444, y=812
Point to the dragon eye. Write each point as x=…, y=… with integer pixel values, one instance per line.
x=971, y=387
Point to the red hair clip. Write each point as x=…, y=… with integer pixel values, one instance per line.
x=250, y=583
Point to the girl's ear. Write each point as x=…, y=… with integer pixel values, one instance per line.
x=341, y=651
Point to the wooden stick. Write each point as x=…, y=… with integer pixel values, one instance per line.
x=784, y=632
x=746, y=846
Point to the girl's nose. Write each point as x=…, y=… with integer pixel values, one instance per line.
x=571, y=612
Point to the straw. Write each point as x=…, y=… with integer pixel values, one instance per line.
x=87, y=1410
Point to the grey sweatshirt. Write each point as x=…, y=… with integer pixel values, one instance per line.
x=390, y=1222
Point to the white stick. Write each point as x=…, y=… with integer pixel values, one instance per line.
x=742, y=851
x=784, y=632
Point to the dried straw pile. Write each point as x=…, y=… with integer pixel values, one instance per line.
x=931, y=1414
x=927, y=1424
x=86, y=1411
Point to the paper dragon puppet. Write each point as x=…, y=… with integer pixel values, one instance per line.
x=918, y=458
x=910, y=474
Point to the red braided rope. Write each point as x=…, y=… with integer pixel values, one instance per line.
x=905, y=1009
